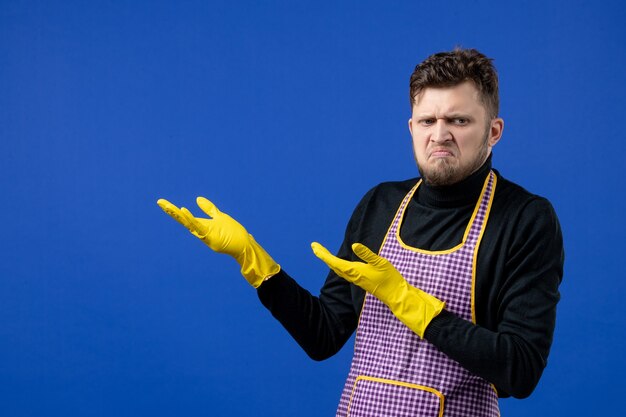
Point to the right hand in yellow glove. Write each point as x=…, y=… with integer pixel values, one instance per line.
x=225, y=235
x=378, y=276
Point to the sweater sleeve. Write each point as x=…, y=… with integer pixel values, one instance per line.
x=322, y=324
x=513, y=354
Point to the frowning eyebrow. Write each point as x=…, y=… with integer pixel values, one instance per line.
x=455, y=115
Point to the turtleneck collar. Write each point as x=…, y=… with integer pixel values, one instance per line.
x=462, y=193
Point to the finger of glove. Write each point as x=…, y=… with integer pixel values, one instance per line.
x=367, y=255
x=173, y=211
x=343, y=268
x=195, y=226
x=207, y=206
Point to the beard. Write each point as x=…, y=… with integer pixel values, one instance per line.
x=447, y=172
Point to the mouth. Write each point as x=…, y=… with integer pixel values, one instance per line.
x=441, y=153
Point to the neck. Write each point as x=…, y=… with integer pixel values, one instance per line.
x=459, y=194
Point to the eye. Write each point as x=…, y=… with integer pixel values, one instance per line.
x=427, y=122
x=460, y=121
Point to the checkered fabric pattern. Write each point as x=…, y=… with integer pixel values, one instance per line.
x=386, y=350
x=390, y=400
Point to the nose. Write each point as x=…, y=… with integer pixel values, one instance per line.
x=440, y=132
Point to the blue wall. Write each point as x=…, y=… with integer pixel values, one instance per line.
x=284, y=114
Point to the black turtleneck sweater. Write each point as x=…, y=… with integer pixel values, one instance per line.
x=519, y=269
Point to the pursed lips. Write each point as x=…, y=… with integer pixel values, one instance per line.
x=441, y=152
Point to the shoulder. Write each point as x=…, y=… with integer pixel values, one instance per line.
x=516, y=208
x=515, y=198
x=391, y=189
x=374, y=212
x=386, y=195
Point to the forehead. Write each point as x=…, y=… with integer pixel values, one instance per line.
x=463, y=97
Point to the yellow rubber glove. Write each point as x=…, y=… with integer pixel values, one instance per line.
x=225, y=235
x=410, y=305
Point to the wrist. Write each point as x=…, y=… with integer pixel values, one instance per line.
x=415, y=308
x=257, y=266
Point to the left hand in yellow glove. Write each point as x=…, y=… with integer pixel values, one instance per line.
x=226, y=235
x=377, y=275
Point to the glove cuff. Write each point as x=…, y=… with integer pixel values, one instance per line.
x=415, y=308
x=256, y=264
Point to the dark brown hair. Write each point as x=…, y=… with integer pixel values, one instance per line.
x=447, y=69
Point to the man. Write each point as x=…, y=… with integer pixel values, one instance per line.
x=457, y=306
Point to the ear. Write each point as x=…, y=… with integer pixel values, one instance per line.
x=411, y=125
x=495, y=131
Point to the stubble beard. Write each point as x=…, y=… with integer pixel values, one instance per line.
x=447, y=173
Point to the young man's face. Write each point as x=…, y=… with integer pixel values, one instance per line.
x=452, y=136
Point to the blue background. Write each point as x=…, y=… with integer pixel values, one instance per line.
x=284, y=114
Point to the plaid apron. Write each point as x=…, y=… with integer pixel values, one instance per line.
x=394, y=373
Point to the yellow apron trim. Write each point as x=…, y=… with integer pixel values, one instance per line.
x=477, y=246
x=496, y=391
x=467, y=228
x=400, y=384
x=408, y=198
x=358, y=324
x=410, y=193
